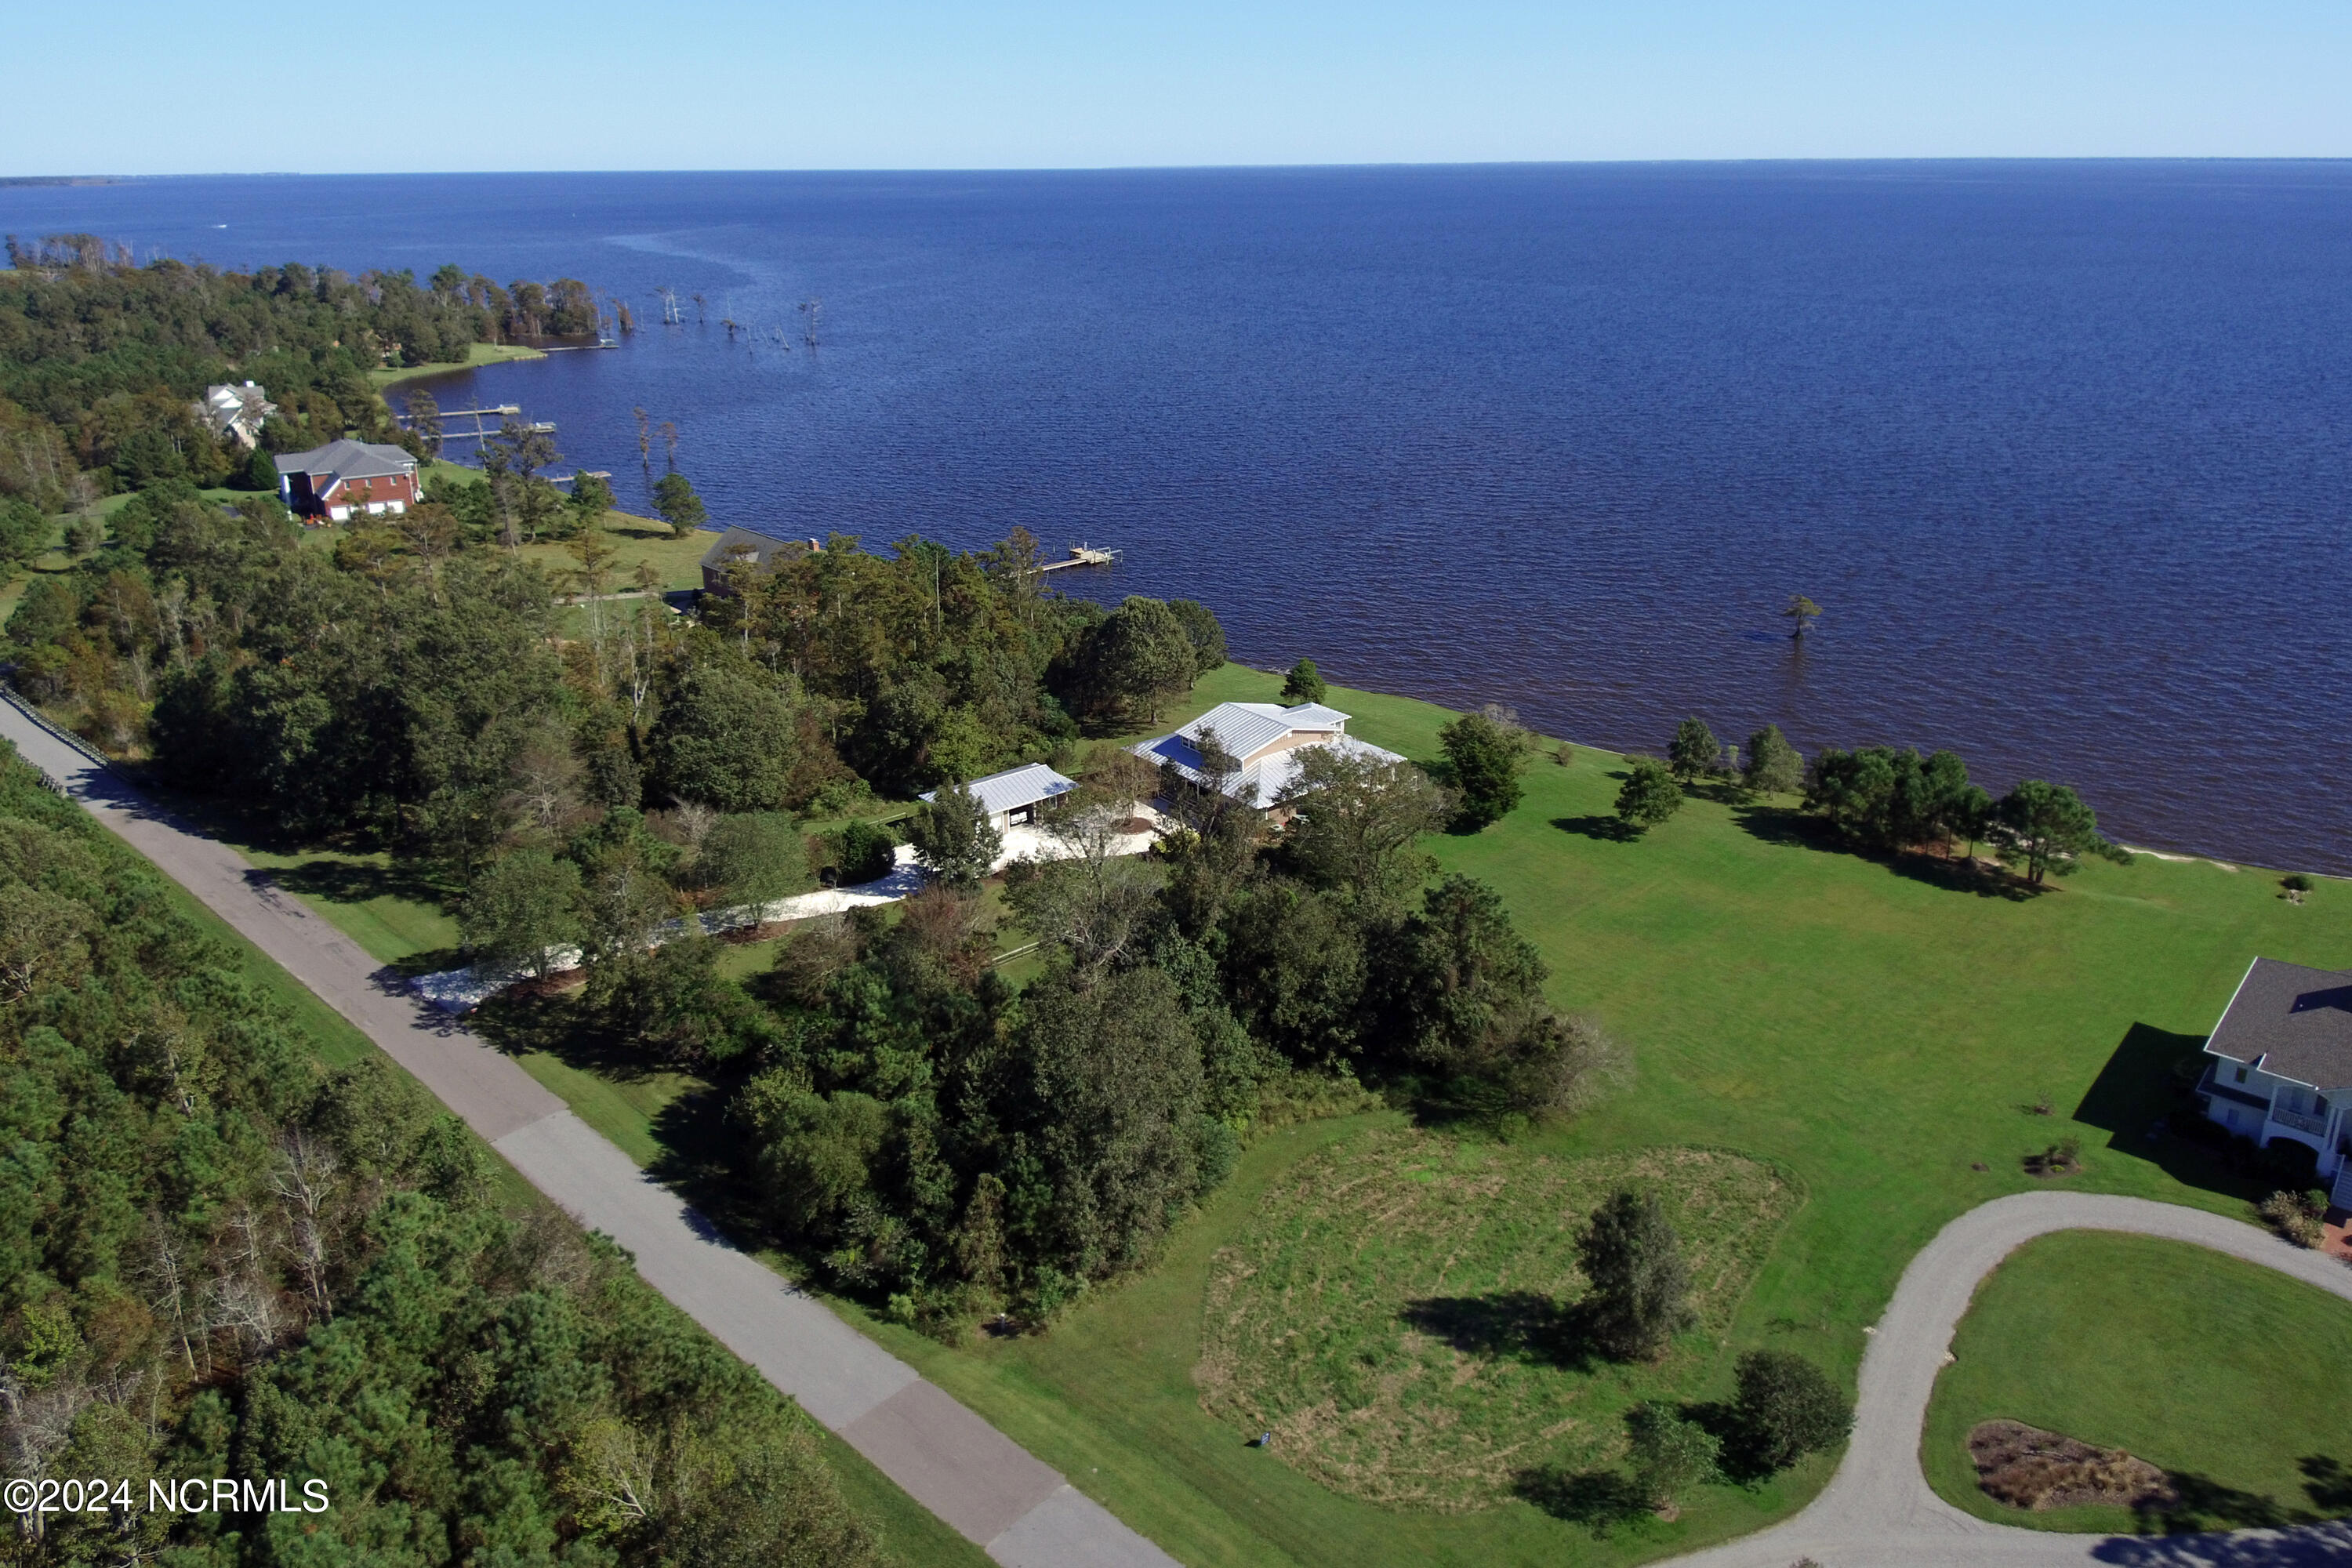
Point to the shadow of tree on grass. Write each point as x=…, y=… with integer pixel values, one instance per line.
x=1608, y=829
x=1599, y=1500
x=2202, y=1503
x=1523, y=1325
x=1787, y=824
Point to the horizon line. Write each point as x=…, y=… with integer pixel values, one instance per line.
x=33, y=181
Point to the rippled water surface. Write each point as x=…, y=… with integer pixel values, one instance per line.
x=2061, y=447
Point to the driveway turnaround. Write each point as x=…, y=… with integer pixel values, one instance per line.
x=980, y=1482
x=1878, y=1512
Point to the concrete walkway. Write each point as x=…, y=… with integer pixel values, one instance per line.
x=979, y=1482
x=1878, y=1511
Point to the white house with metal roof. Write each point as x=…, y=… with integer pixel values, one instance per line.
x=2282, y=1062
x=1011, y=797
x=1266, y=742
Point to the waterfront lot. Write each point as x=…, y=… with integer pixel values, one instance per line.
x=1881, y=1032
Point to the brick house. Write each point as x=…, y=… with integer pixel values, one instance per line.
x=333, y=480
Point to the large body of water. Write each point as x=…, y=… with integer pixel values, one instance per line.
x=2061, y=447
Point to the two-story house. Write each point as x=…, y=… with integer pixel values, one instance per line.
x=1256, y=748
x=2282, y=1062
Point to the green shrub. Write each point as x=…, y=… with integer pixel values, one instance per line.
x=863, y=852
x=1786, y=1408
x=2298, y=1216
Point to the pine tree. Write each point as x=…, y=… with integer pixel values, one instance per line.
x=1639, y=1294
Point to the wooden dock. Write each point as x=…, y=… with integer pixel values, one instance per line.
x=1082, y=555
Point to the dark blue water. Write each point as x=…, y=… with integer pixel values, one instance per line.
x=2061, y=447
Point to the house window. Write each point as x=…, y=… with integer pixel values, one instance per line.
x=2240, y=1076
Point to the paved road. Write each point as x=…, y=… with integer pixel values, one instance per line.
x=1878, y=1511
x=980, y=1482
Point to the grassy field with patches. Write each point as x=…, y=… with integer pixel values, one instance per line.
x=2229, y=1376
x=1399, y=1313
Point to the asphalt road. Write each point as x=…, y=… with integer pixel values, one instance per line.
x=980, y=1482
x=1878, y=1512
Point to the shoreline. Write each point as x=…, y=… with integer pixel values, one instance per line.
x=482, y=354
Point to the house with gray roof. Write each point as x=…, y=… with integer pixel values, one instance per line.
x=2282, y=1062
x=1262, y=745
x=346, y=476
x=1011, y=797
x=740, y=546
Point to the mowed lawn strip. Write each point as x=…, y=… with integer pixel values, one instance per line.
x=2232, y=1378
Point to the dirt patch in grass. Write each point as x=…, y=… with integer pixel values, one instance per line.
x=2027, y=1467
x=1399, y=1314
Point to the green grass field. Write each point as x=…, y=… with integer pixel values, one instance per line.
x=1879, y=1032
x=1874, y=1029
x=481, y=355
x=2226, y=1375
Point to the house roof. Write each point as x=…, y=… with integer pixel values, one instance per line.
x=349, y=459
x=1016, y=787
x=762, y=547
x=1243, y=728
x=2294, y=1022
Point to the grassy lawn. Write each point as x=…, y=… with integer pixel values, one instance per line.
x=1876, y=1031
x=2226, y=1375
x=479, y=355
x=1394, y=1312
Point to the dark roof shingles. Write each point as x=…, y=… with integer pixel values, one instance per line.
x=2297, y=1021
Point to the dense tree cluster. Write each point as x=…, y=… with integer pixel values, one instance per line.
x=219, y=1258
x=954, y=1147
x=1887, y=800
x=100, y=361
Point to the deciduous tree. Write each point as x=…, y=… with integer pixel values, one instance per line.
x=1648, y=795
x=1670, y=1454
x=954, y=838
x=1356, y=817
x=677, y=505
x=522, y=910
x=1484, y=756
x=1694, y=753
x=1773, y=767
x=1303, y=684
x=1785, y=1407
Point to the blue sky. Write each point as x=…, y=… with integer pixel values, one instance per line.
x=147, y=88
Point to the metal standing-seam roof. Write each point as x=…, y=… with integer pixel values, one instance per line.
x=2296, y=1023
x=1016, y=787
x=1243, y=728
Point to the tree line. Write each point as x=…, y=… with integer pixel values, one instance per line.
x=101, y=362
x=1883, y=799
x=220, y=1258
